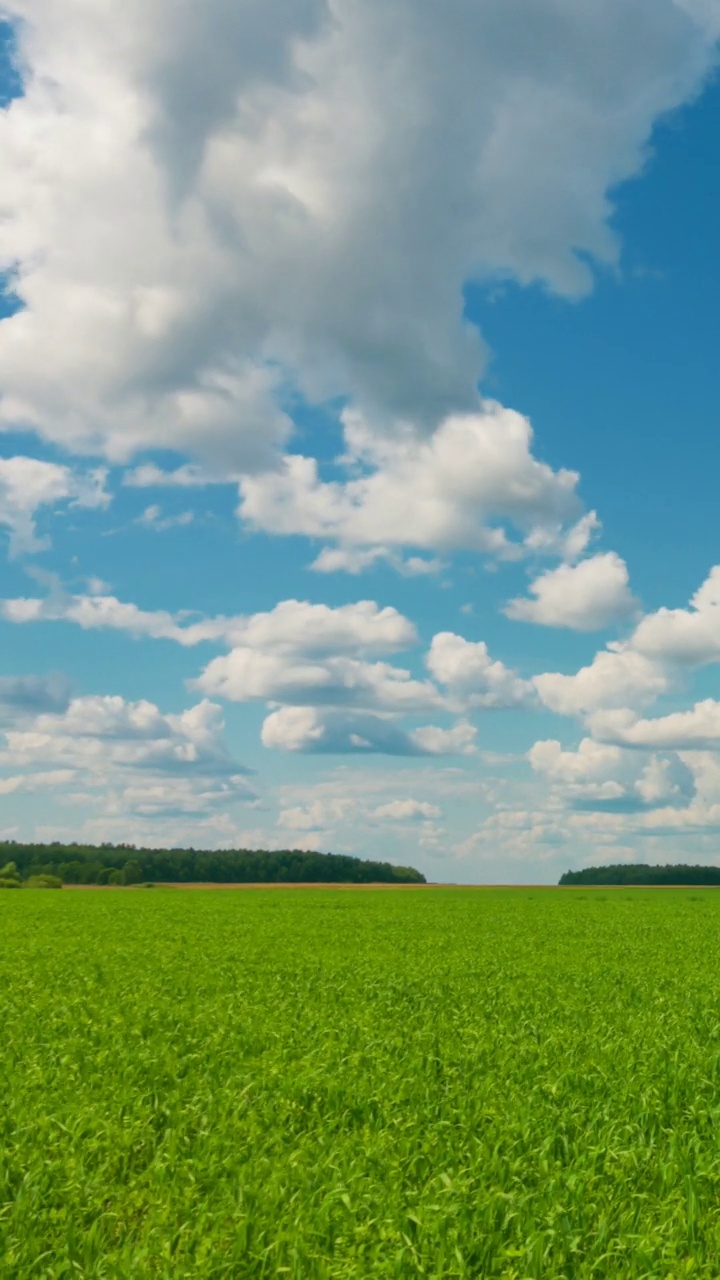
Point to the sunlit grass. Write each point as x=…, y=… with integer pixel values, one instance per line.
x=332, y=1084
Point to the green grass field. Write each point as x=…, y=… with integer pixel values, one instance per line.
x=356, y=1084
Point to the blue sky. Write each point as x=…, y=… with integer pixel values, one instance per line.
x=359, y=453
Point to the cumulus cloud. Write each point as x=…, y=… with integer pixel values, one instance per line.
x=660, y=653
x=697, y=728
x=604, y=776
x=474, y=484
x=319, y=630
x=292, y=626
x=34, y=782
x=406, y=810
x=188, y=476
x=663, y=649
x=326, y=812
x=297, y=654
x=135, y=734
x=27, y=484
x=99, y=611
x=247, y=674
x=324, y=731
x=209, y=197
x=472, y=676
x=309, y=655
x=616, y=677
x=685, y=636
x=591, y=760
x=357, y=560
x=317, y=729
x=584, y=597
x=458, y=740
x=126, y=757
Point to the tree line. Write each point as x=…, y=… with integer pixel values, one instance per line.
x=125, y=864
x=640, y=873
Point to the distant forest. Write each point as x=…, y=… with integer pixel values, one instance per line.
x=125, y=864
x=624, y=873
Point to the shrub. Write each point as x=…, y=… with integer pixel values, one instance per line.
x=115, y=877
x=7, y=883
x=43, y=882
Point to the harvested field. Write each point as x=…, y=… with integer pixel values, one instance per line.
x=337, y=1085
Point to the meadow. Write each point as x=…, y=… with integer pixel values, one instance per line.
x=341, y=1085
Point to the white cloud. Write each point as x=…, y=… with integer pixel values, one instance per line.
x=357, y=560
x=307, y=655
x=331, y=731
x=658, y=783
x=697, y=728
x=319, y=815
x=584, y=597
x=247, y=674
x=96, y=729
x=326, y=730
x=459, y=740
x=599, y=775
x=406, y=810
x=474, y=484
x=33, y=782
x=292, y=626
x=124, y=758
x=296, y=626
x=626, y=676
x=105, y=612
x=591, y=761
x=27, y=484
x=209, y=196
x=152, y=518
x=472, y=676
x=188, y=476
x=616, y=677
x=685, y=636
x=327, y=813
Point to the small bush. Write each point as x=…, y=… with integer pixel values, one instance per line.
x=132, y=872
x=43, y=882
x=7, y=883
x=115, y=877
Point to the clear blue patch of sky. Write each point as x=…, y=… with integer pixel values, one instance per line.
x=624, y=385
x=11, y=85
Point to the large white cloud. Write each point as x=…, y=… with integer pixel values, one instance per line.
x=351, y=731
x=135, y=734
x=118, y=759
x=686, y=636
x=474, y=484
x=601, y=776
x=316, y=630
x=219, y=200
x=663, y=649
x=247, y=674
x=473, y=677
x=585, y=597
x=314, y=730
x=698, y=727
x=616, y=677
